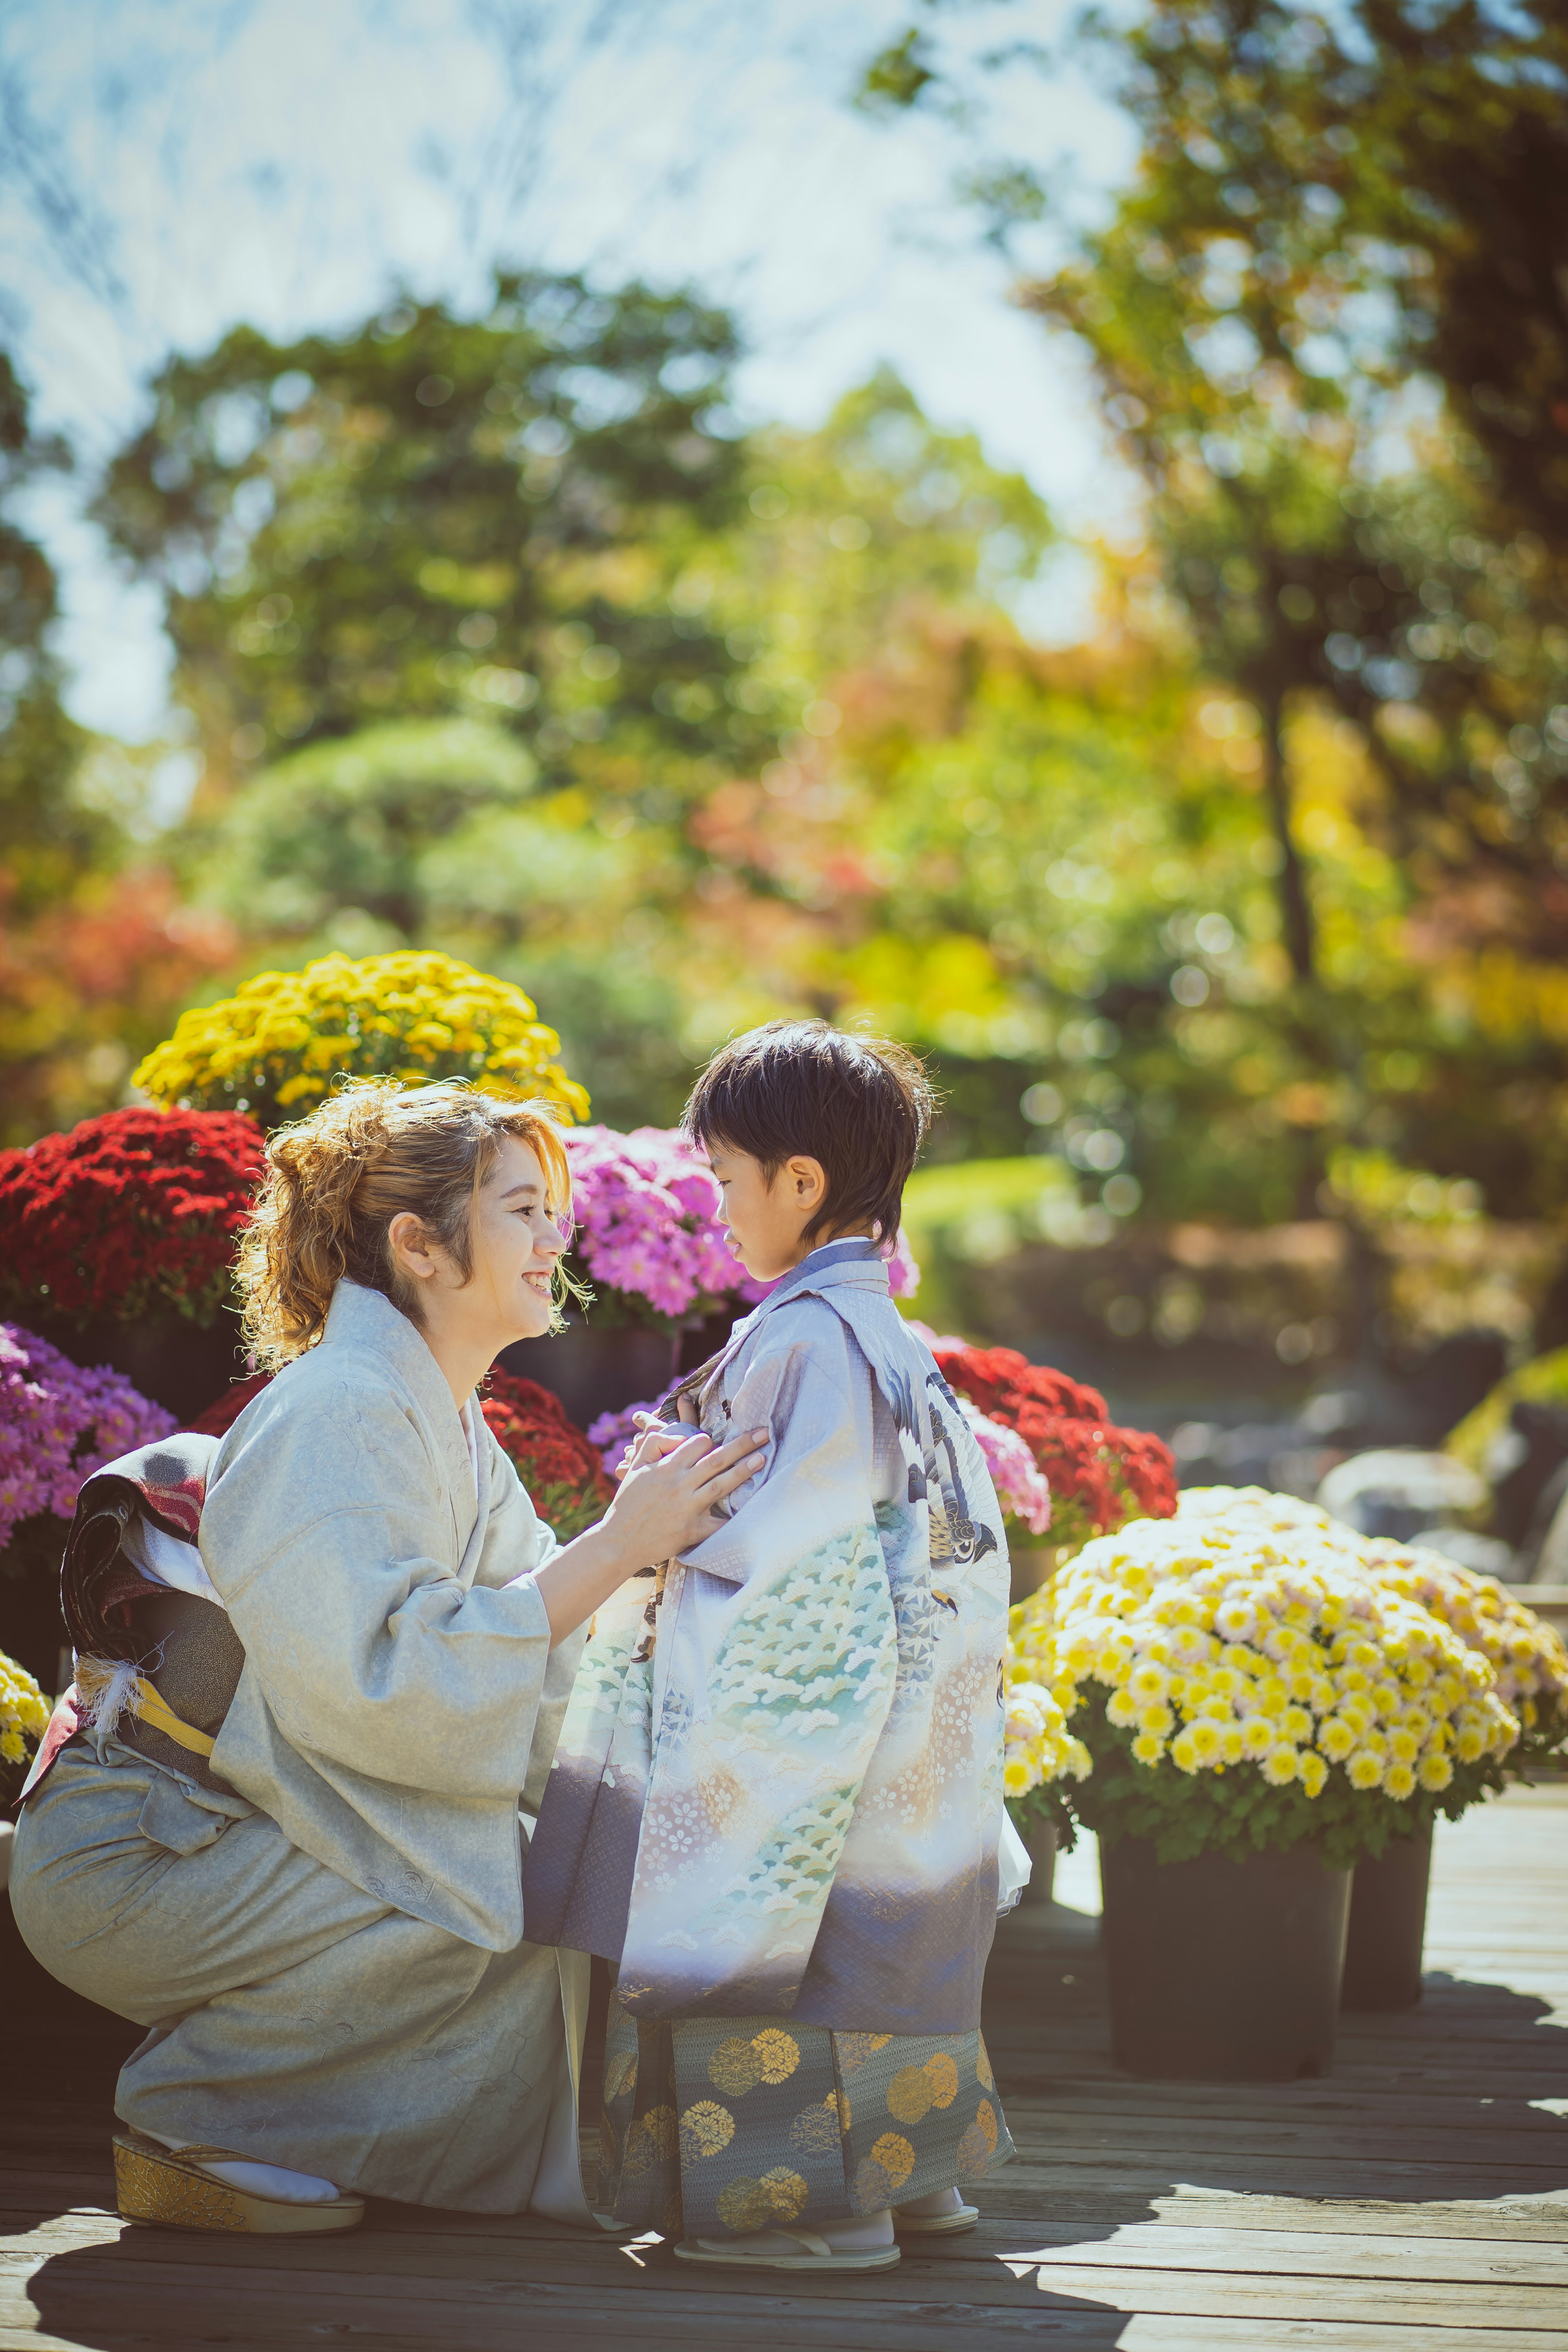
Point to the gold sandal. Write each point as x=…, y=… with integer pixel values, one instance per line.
x=172, y=2189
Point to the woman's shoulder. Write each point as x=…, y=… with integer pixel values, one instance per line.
x=339, y=1410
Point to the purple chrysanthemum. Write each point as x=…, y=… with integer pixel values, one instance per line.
x=58, y=1423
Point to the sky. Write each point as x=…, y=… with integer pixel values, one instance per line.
x=174, y=166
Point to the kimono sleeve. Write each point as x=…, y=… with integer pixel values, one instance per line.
x=807, y=1386
x=328, y=1531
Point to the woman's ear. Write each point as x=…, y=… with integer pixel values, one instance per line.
x=410, y=1245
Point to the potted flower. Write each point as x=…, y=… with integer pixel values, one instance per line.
x=286, y=1038
x=117, y=1243
x=651, y=1258
x=1388, y=1906
x=1099, y=1474
x=562, y=1471
x=59, y=1422
x=1261, y=1714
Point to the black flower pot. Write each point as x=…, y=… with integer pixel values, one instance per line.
x=1388, y=1926
x=32, y=1624
x=168, y=1358
x=597, y=1371
x=1224, y=1971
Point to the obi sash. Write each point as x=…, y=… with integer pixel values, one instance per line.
x=169, y=1662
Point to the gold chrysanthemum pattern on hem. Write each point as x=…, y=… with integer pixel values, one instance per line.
x=741, y=2124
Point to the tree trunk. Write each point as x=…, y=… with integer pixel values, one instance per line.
x=1295, y=908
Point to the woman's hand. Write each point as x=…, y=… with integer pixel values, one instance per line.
x=668, y=1489
x=655, y=1437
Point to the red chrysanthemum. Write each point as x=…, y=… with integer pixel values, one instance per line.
x=133, y=1209
x=562, y=1469
x=1099, y=1474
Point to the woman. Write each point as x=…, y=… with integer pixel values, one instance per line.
x=285, y=1836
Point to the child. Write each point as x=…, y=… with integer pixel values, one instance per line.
x=776, y=1800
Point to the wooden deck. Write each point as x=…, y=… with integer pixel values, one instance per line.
x=1416, y=2202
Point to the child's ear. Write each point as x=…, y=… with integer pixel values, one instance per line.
x=808, y=1183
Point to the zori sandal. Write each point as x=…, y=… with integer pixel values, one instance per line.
x=818, y=2255
x=935, y=2225
x=173, y=2190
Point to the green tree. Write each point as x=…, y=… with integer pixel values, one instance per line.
x=1332, y=211
x=437, y=516
x=46, y=836
x=1307, y=317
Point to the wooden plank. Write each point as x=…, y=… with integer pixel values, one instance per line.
x=1415, y=2201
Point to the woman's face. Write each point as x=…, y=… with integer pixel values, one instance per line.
x=516, y=1243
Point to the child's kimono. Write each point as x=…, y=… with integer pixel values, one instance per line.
x=777, y=1796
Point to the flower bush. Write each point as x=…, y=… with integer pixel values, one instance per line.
x=1042, y=1752
x=23, y=1710
x=649, y=1240
x=561, y=1470
x=1099, y=1474
x=58, y=1423
x=1527, y=1657
x=648, y=1237
x=1242, y=1679
x=1024, y=1494
x=128, y=1212
x=287, y=1038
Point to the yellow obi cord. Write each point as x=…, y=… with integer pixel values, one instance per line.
x=152, y=1710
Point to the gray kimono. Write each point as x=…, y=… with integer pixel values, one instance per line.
x=329, y=1957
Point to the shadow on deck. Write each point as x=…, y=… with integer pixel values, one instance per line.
x=1417, y=2198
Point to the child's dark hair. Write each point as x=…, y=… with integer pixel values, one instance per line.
x=862, y=1106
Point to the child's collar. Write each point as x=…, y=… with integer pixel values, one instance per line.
x=858, y=1250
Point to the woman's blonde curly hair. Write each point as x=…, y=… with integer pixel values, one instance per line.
x=336, y=1179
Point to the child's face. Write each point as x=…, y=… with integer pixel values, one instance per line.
x=766, y=1218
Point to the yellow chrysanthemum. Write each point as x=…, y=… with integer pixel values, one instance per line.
x=286, y=1038
x=1336, y=1738
x=23, y=1709
x=1148, y=1747
x=1184, y=1751
x=1250, y=1625
x=1398, y=1781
